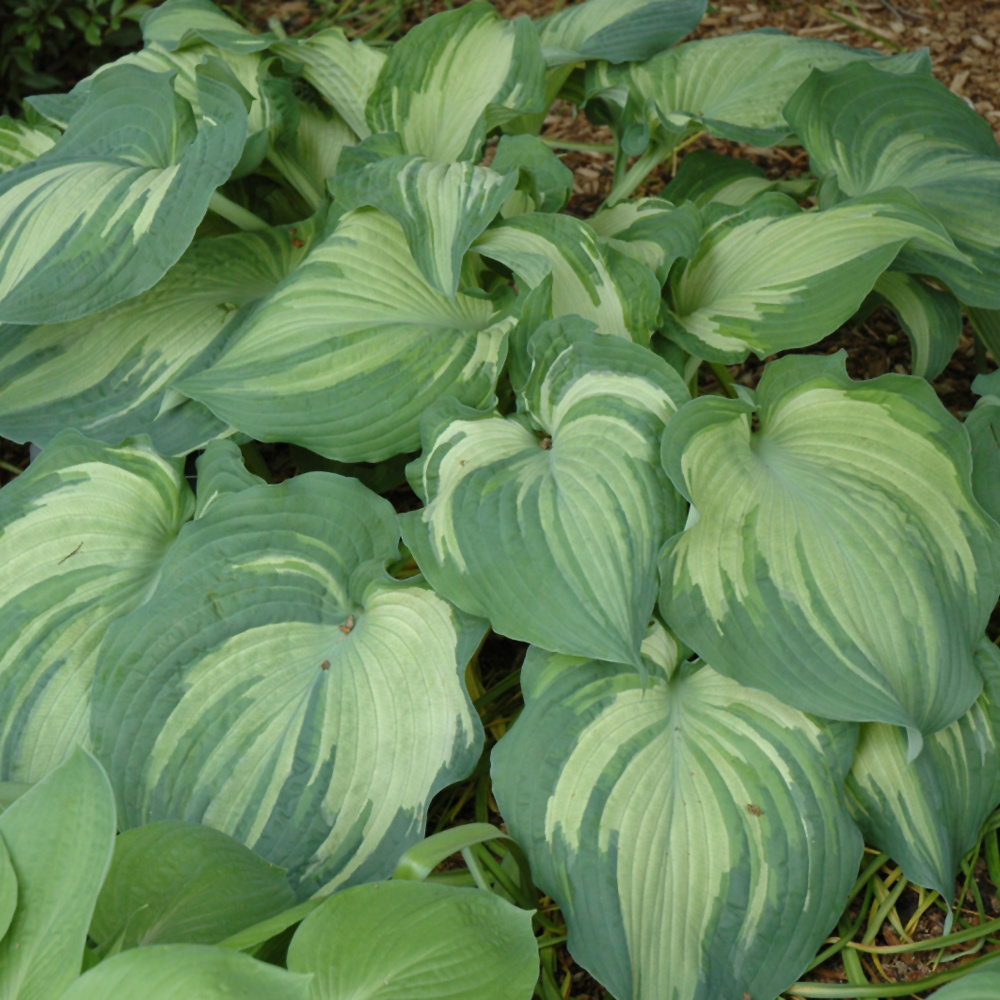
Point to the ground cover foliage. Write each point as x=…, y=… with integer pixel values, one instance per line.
x=757, y=619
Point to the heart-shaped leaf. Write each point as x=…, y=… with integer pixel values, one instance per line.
x=692, y=830
x=562, y=508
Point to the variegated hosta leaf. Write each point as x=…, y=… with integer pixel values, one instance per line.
x=983, y=425
x=544, y=184
x=762, y=283
x=221, y=471
x=974, y=985
x=441, y=207
x=928, y=813
x=83, y=533
x=692, y=830
x=930, y=317
x=110, y=375
x=22, y=143
x=617, y=30
x=564, y=507
x=870, y=131
x=343, y=72
x=346, y=354
x=104, y=213
x=418, y=941
x=836, y=558
x=619, y=294
x=177, y=23
x=650, y=230
x=704, y=177
x=734, y=86
x=280, y=687
x=454, y=77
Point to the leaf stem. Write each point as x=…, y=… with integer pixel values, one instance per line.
x=583, y=147
x=239, y=216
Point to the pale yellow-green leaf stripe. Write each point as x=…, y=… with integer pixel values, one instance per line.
x=21, y=143
x=102, y=226
x=109, y=375
x=691, y=829
x=735, y=85
x=570, y=512
x=454, y=76
x=346, y=354
x=617, y=30
x=619, y=295
x=278, y=686
x=837, y=557
x=82, y=536
x=343, y=72
x=176, y=23
x=926, y=814
x=867, y=131
x=772, y=283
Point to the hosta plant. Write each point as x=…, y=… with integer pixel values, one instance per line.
x=757, y=617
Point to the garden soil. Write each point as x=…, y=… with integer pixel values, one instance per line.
x=963, y=37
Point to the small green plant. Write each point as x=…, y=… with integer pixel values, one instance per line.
x=757, y=620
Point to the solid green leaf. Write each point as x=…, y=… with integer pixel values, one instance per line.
x=104, y=213
x=926, y=814
x=455, y=76
x=868, y=131
x=174, y=882
x=417, y=941
x=544, y=183
x=836, y=557
x=83, y=533
x=110, y=375
x=187, y=972
x=281, y=687
x=692, y=830
x=8, y=889
x=220, y=471
x=563, y=507
x=343, y=72
x=345, y=354
x=734, y=86
x=766, y=283
x=975, y=985
x=617, y=30
x=983, y=425
x=60, y=835
x=441, y=207
x=930, y=317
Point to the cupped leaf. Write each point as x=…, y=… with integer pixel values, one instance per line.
x=189, y=971
x=619, y=294
x=930, y=317
x=110, y=375
x=562, y=508
x=454, y=77
x=83, y=533
x=617, y=30
x=928, y=813
x=343, y=72
x=650, y=230
x=417, y=941
x=346, y=354
x=734, y=86
x=22, y=143
x=60, y=835
x=692, y=830
x=870, y=131
x=983, y=425
x=441, y=207
x=836, y=558
x=177, y=23
x=105, y=213
x=175, y=882
x=544, y=183
x=765, y=283
x=221, y=471
x=280, y=687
